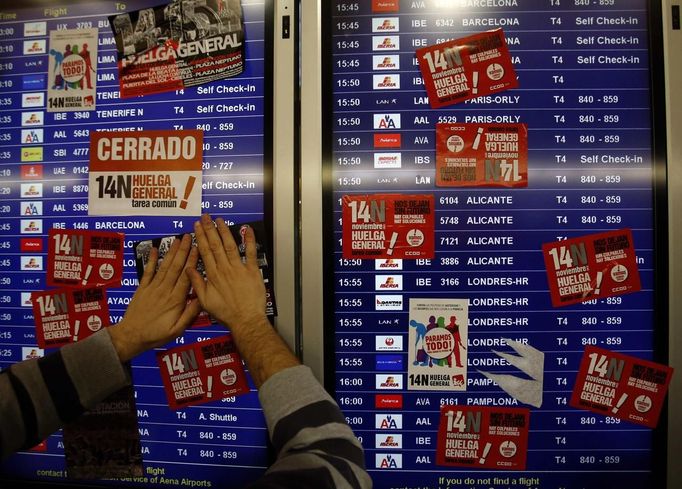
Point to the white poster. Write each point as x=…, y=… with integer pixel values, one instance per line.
x=72, y=70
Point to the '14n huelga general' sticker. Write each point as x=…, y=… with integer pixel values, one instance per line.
x=202, y=372
x=483, y=437
x=591, y=267
x=388, y=226
x=84, y=258
x=622, y=386
x=65, y=316
x=466, y=68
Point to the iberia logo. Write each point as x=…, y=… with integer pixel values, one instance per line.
x=385, y=5
x=32, y=227
x=389, y=284
x=389, y=442
x=387, y=43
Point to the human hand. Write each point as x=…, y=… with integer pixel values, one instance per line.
x=159, y=311
x=233, y=291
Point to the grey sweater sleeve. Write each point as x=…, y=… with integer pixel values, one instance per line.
x=315, y=446
x=38, y=396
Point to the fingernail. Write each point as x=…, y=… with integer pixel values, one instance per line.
x=205, y=218
x=197, y=225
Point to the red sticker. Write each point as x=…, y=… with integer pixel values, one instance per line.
x=64, y=316
x=379, y=6
x=388, y=401
x=483, y=437
x=466, y=68
x=202, y=372
x=78, y=258
x=591, y=267
x=621, y=386
x=481, y=155
x=388, y=226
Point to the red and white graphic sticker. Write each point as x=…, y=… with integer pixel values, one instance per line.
x=622, y=386
x=64, y=316
x=388, y=226
x=591, y=267
x=202, y=372
x=481, y=155
x=466, y=68
x=84, y=258
x=483, y=437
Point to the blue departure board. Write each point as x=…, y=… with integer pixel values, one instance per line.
x=44, y=185
x=588, y=85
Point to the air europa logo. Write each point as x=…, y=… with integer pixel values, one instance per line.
x=386, y=82
x=386, y=24
x=381, y=62
x=385, y=43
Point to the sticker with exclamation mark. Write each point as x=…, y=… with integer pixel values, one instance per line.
x=620, y=403
x=209, y=383
x=188, y=190
x=474, y=90
x=76, y=329
x=597, y=287
x=88, y=271
x=486, y=450
x=391, y=244
x=477, y=139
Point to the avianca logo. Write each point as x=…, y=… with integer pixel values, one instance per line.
x=388, y=401
x=385, y=5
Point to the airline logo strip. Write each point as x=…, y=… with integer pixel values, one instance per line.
x=145, y=173
x=65, y=316
x=622, y=386
x=202, y=372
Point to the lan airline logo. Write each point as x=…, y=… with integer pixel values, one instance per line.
x=36, y=46
x=31, y=245
x=32, y=29
x=385, y=24
x=388, y=343
x=32, y=154
x=388, y=302
x=32, y=136
x=32, y=209
x=388, y=264
x=388, y=282
x=31, y=226
x=385, y=43
x=386, y=82
x=31, y=172
x=34, y=99
x=389, y=461
x=32, y=263
x=385, y=62
x=386, y=121
x=388, y=442
x=388, y=421
x=26, y=299
x=387, y=160
x=31, y=119
x=31, y=190
x=379, y=6
x=389, y=382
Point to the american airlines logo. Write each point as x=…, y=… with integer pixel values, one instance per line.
x=386, y=24
x=31, y=136
x=387, y=160
x=38, y=46
x=386, y=121
x=388, y=302
x=385, y=43
x=31, y=189
x=389, y=461
x=31, y=262
x=31, y=119
x=388, y=421
x=388, y=264
x=389, y=343
x=32, y=100
x=31, y=208
x=386, y=62
x=390, y=381
x=35, y=29
x=386, y=82
x=388, y=441
x=388, y=282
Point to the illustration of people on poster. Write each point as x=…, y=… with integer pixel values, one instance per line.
x=181, y=44
x=72, y=70
x=437, y=358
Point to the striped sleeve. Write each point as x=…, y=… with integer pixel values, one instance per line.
x=38, y=396
x=315, y=446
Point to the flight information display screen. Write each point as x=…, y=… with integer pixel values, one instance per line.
x=44, y=162
x=438, y=217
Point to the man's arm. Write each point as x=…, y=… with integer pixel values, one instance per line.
x=39, y=396
x=315, y=447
